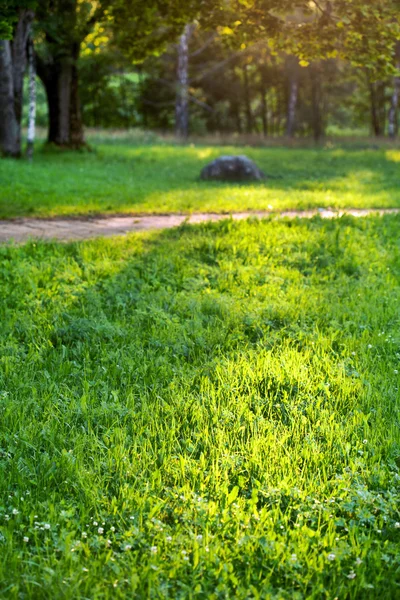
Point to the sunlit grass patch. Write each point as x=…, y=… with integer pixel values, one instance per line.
x=157, y=178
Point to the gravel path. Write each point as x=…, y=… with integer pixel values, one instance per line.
x=65, y=229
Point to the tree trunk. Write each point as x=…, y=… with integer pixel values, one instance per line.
x=394, y=101
x=32, y=100
x=247, y=101
x=264, y=111
x=8, y=122
x=182, y=96
x=19, y=46
x=316, y=99
x=12, y=69
x=377, y=98
x=60, y=78
x=264, y=83
x=293, y=96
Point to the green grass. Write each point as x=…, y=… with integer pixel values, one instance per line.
x=219, y=402
x=127, y=177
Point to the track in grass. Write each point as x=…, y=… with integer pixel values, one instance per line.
x=22, y=230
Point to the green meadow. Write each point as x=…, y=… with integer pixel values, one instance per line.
x=210, y=412
x=124, y=176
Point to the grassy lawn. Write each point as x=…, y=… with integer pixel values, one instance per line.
x=125, y=177
x=210, y=412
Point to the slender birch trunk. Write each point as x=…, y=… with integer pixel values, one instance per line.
x=292, y=69
x=32, y=100
x=291, y=114
x=247, y=100
x=316, y=99
x=182, y=96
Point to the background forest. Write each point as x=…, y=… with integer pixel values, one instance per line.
x=246, y=91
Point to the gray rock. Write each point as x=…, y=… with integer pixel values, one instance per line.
x=232, y=168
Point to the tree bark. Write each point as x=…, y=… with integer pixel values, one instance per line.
x=316, y=99
x=182, y=96
x=32, y=100
x=264, y=111
x=264, y=82
x=293, y=96
x=19, y=47
x=247, y=101
x=60, y=78
x=12, y=69
x=377, y=99
x=8, y=122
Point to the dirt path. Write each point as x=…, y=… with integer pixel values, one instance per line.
x=20, y=230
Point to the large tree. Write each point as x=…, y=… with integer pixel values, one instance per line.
x=137, y=28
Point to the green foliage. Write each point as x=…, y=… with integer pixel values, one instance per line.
x=142, y=29
x=210, y=412
x=109, y=98
x=364, y=33
x=146, y=175
x=9, y=15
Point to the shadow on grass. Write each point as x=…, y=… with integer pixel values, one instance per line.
x=190, y=379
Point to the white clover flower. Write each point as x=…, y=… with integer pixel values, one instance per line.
x=112, y=528
x=85, y=570
x=370, y=346
x=397, y=525
x=351, y=575
x=199, y=537
x=15, y=511
x=365, y=441
x=395, y=371
x=47, y=525
x=26, y=540
x=168, y=538
x=108, y=543
x=84, y=534
x=100, y=530
x=95, y=523
x=331, y=556
x=7, y=517
x=128, y=547
x=358, y=561
x=293, y=557
x=153, y=549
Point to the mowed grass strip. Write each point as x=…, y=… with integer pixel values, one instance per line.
x=209, y=412
x=122, y=177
